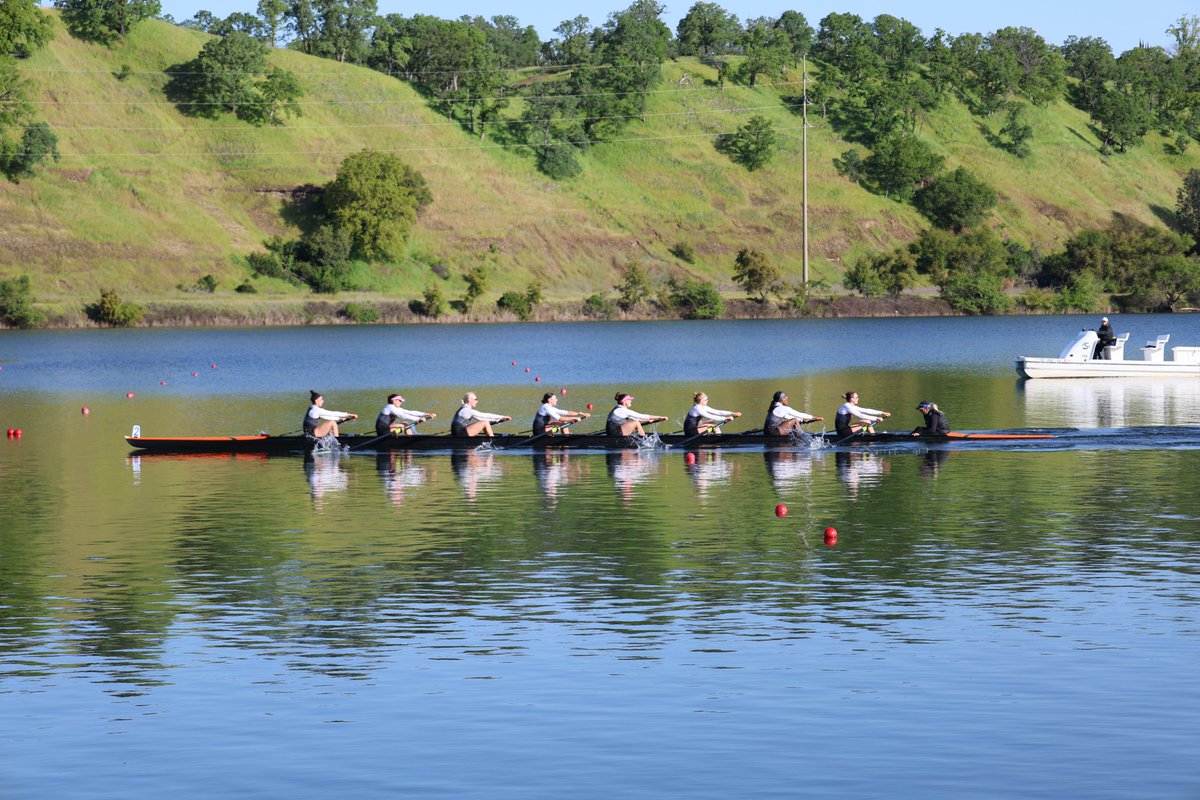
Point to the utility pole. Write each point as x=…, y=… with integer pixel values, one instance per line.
x=804, y=160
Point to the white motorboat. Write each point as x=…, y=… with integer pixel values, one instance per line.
x=1077, y=360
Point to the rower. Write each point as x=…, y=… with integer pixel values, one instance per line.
x=703, y=418
x=319, y=422
x=395, y=419
x=469, y=421
x=935, y=420
x=852, y=418
x=624, y=421
x=782, y=419
x=551, y=413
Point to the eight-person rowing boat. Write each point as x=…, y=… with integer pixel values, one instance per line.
x=623, y=429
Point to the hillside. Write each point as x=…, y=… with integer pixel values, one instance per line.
x=146, y=199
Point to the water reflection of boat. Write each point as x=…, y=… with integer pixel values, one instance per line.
x=1113, y=403
x=787, y=467
x=931, y=464
x=628, y=468
x=708, y=468
x=475, y=469
x=553, y=470
x=859, y=468
x=399, y=474
x=326, y=475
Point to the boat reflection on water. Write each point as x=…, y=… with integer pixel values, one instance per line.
x=857, y=469
x=399, y=474
x=475, y=469
x=707, y=469
x=555, y=469
x=788, y=468
x=326, y=475
x=931, y=464
x=628, y=468
x=1110, y=402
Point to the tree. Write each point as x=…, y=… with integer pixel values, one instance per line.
x=956, y=200
x=887, y=273
x=105, y=21
x=1018, y=62
x=272, y=14
x=375, y=198
x=800, y=34
x=1016, y=130
x=111, y=310
x=634, y=286
x=1123, y=118
x=756, y=274
x=900, y=163
x=14, y=103
x=280, y=92
x=1090, y=61
x=767, y=50
x=476, y=279
x=575, y=43
x=16, y=303
x=37, y=144
x=24, y=29
x=1187, y=204
x=707, y=29
x=752, y=145
x=324, y=259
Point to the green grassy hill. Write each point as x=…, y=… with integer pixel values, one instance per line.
x=146, y=198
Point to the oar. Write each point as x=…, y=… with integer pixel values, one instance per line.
x=688, y=441
x=532, y=439
x=399, y=432
x=851, y=436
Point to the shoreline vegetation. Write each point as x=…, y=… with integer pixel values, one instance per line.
x=284, y=312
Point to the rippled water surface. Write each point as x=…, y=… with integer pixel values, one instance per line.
x=990, y=621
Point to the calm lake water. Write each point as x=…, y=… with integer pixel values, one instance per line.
x=992, y=622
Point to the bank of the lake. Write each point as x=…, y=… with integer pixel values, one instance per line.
x=241, y=311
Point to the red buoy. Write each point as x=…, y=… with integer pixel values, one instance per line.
x=514, y=363
x=18, y=433
x=84, y=411
x=563, y=390
x=589, y=406
x=162, y=383
x=781, y=510
x=690, y=458
x=194, y=374
x=11, y=432
x=129, y=394
x=527, y=369
x=214, y=366
x=537, y=380
x=830, y=537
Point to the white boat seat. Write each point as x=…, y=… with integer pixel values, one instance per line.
x=1158, y=342
x=1122, y=339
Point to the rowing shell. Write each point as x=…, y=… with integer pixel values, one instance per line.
x=264, y=443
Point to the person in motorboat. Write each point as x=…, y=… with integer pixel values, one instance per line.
x=394, y=418
x=319, y=421
x=935, y=420
x=782, y=419
x=550, y=414
x=703, y=418
x=624, y=421
x=470, y=421
x=1107, y=337
x=852, y=418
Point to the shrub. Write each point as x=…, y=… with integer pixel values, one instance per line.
x=476, y=278
x=16, y=304
x=246, y=287
x=695, y=299
x=756, y=274
x=206, y=283
x=634, y=286
x=600, y=306
x=975, y=293
x=111, y=310
x=558, y=161
x=516, y=302
x=684, y=252
x=434, y=304
x=361, y=313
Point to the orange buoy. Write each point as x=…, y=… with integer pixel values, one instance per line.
x=781, y=510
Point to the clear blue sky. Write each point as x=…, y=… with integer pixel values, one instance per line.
x=1122, y=24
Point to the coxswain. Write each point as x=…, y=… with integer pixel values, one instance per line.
x=469, y=421
x=319, y=421
x=935, y=420
x=624, y=421
x=852, y=418
x=782, y=419
x=703, y=418
x=396, y=419
x=550, y=414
